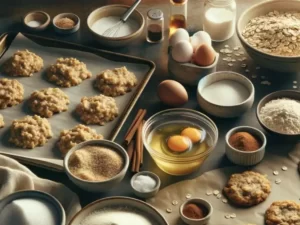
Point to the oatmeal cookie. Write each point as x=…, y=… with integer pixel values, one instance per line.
x=116, y=82
x=1, y=121
x=30, y=131
x=248, y=188
x=80, y=133
x=48, y=101
x=283, y=213
x=68, y=72
x=11, y=93
x=23, y=63
x=97, y=109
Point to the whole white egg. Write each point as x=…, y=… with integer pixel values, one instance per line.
x=182, y=52
x=179, y=35
x=200, y=38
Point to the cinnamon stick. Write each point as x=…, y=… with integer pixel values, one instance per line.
x=134, y=121
x=134, y=161
x=142, y=146
x=138, y=147
x=130, y=150
x=134, y=128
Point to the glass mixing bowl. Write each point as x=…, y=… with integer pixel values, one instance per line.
x=180, y=164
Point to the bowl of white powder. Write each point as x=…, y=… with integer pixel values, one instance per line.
x=106, y=17
x=118, y=211
x=270, y=33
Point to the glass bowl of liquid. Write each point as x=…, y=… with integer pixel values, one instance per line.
x=179, y=140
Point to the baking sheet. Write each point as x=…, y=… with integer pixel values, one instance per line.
x=49, y=155
x=288, y=189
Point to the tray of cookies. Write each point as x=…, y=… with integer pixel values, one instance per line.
x=54, y=95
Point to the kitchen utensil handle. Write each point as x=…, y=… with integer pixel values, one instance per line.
x=130, y=10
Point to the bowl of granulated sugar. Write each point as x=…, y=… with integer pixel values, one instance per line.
x=96, y=165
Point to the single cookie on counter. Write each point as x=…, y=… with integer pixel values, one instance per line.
x=248, y=188
x=48, y=101
x=116, y=82
x=98, y=109
x=11, y=93
x=68, y=72
x=23, y=63
x=2, y=124
x=78, y=134
x=283, y=212
x=30, y=131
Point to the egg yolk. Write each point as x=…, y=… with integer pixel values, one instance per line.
x=178, y=143
x=192, y=133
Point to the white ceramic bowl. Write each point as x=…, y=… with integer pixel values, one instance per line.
x=277, y=63
x=98, y=186
x=147, y=210
x=244, y=158
x=222, y=110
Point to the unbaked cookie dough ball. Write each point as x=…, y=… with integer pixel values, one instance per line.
x=30, y=131
x=11, y=93
x=2, y=124
x=48, y=101
x=68, y=72
x=116, y=82
x=23, y=63
x=80, y=133
x=98, y=109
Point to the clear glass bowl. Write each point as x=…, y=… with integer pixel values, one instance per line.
x=180, y=165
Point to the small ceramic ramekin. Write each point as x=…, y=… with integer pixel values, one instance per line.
x=39, y=16
x=198, y=201
x=244, y=158
x=150, y=193
x=71, y=30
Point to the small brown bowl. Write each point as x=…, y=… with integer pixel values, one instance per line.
x=42, y=19
x=70, y=30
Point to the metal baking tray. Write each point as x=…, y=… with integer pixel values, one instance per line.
x=48, y=156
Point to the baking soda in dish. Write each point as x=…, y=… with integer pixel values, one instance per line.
x=29, y=212
x=34, y=23
x=144, y=183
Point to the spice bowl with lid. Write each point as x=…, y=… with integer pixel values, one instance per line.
x=225, y=94
x=66, y=23
x=36, y=20
x=179, y=140
x=96, y=165
x=245, y=145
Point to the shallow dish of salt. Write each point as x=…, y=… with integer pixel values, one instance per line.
x=36, y=20
x=118, y=210
x=225, y=94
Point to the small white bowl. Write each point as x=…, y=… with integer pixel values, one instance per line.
x=39, y=16
x=224, y=111
x=71, y=30
x=98, y=186
x=150, y=193
x=198, y=201
x=244, y=158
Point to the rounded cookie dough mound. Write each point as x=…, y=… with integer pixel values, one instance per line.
x=24, y=64
x=48, y=101
x=11, y=93
x=78, y=134
x=68, y=72
x=248, y=188
x=2, y=124
x=116, y=82
x=30, y=131
x=98, y=109
x=283, y=212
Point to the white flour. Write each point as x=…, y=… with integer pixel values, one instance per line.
x=282, y=115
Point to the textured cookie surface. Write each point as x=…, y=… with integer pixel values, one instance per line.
x=1, y=121
x=48, y=101
x=283, y=213
x=11, y=93
x=116, y=82
x=23, y=63
x=80, y=133
x=67, y=72
x=30, y=131
x=248, y=188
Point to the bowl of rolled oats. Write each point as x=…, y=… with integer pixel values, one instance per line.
x=270, y=33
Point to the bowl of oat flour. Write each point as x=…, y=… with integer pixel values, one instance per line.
x=270, y=33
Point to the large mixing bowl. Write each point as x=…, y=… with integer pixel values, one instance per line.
x=180, y=164
x=276, y=63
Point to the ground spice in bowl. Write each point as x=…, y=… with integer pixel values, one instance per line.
x=195, y=211
x=244, y=141
x=65, y=23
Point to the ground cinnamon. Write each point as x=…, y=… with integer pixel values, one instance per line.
x=65, y=23
x=244, y=141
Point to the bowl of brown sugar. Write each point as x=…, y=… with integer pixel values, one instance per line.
x=96, y=165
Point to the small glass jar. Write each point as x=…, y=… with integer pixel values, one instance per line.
x=178, y=15
x=155, y=26
x=219, y=19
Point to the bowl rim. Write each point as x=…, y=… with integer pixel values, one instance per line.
x=259, y=106
x=238, y=128
x=118, y=198
x=102, y=143
x=43, y=25
x=208, y=216
x=55, y=18
x=242, y=39
x=251, y=92
x=122, y=38
x=150, y=174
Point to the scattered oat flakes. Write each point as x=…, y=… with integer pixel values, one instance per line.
x=168, y=210
x=208, y=193
x=295, y=87
x=174, y=202
x=284, y=168
x=216, y=192
x=233, y=215
x=224, y=200
x=265, y=82
x=233, y=60
x=295, y=82
x=226, y=46
x=219, y=196
x=277, y=181
x=236, y=48
x=188, y=196
x=275, y=172
x=227, y=216
x=230, y=64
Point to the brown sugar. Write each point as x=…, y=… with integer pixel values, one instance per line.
x=194, y=211
x=244, y=141
x=65, y=23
